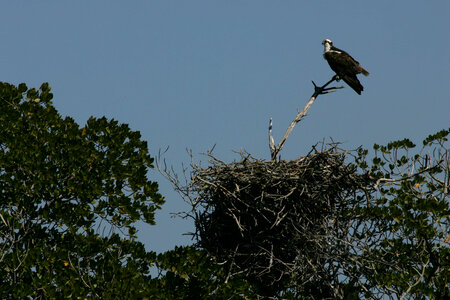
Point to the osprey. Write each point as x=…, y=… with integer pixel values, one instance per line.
x=345, y=66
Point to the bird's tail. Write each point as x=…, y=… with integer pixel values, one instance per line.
x=364, y=72
x=354, y=83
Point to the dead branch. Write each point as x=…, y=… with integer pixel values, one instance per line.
x=318, y=90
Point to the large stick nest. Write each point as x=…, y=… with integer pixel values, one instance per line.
x=276, y=221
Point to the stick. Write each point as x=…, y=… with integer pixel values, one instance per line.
x=275, y=150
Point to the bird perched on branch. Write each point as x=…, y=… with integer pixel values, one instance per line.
x=345, y=66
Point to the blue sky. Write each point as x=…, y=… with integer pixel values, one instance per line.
x=193, y=74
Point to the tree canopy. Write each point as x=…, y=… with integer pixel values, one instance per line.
x=332, y=224
x=69, y=198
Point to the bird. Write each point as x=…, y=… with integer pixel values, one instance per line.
x=345, y=66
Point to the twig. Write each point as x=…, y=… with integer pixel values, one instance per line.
x=275, y=150
x=419, y=279
x=390, y=180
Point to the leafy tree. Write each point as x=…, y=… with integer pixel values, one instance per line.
x=386, y=235
x=69, y=198
x=189, y=273
x=412, y=208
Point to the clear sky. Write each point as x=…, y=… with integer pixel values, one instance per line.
x=193, y=74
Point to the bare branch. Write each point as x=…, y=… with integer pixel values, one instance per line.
x=271, y=141
x=381, y=180
x=275, y=150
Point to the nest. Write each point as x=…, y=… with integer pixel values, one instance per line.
x=275, y=222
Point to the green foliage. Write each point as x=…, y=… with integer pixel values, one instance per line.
x=59, y=182
x=70, y=197
x=412, y=216
x=393, y=241
x=189, y=273
x=438, y=137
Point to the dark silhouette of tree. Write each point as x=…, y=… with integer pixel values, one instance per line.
x=69, y=198
x=333, y=224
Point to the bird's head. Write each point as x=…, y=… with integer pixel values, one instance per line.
x=327, y=41
x=327, y=44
